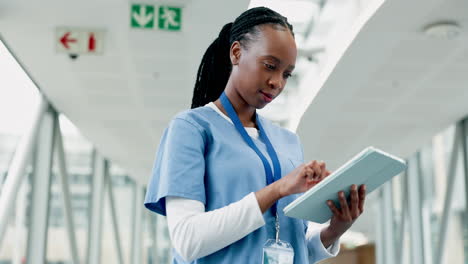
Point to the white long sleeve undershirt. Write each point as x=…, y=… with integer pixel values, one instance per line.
x=196, y=233
x=224, y=226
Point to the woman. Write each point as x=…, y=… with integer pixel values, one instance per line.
x=223, y=174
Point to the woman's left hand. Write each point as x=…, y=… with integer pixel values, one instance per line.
x=344, y=217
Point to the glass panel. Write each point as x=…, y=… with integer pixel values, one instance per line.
x=454, y=248
x=123, y=198
x=18, y=100
x=435, y=162
x=78, y=158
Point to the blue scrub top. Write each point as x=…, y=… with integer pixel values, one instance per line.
x=203, y=157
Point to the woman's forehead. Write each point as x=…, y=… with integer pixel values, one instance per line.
x=276, y=44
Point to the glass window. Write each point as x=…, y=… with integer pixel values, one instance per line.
x=19, y=99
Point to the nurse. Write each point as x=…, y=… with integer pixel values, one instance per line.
x=223, y=173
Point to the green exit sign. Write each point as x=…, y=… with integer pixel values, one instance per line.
x=170, y=18
x=142, y=16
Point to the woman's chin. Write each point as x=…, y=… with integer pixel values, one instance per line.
x=261, y=105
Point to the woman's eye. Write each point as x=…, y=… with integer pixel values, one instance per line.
x=287, y=75
x=269, y=66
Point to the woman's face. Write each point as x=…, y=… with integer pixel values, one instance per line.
x=261, y=70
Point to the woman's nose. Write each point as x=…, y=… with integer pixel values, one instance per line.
x=275, y=82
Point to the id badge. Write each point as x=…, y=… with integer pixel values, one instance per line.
x=277, y=252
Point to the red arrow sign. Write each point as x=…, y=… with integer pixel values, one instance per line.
x=65, y=40
x=92, y=43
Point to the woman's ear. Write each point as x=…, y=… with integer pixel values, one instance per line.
x=235, y=52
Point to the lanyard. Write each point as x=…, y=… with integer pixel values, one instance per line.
x=271, y=151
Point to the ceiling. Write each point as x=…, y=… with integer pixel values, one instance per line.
x=387, y=83
x=384, y=83
x=121, y=100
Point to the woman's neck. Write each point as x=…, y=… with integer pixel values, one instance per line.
x=245, y=112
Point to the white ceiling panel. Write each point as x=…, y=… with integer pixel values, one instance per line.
x=406, y=84
x=123, y=99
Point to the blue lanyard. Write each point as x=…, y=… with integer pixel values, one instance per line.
x=271, y=151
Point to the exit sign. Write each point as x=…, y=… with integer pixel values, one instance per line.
x=161, y=17
x=79, y=41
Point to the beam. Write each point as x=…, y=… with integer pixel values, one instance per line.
x=17, y=170
x=40, y=195
x=449, y=194
x=414, y=212
x=403, y=217
x=63, y=178
x=113, y=211
x=136, y=254
x=387, y=223
x=97, y=205
x=464, y=142
x=379, y=233
x=153, y=224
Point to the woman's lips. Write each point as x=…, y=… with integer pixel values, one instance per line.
x=267, y=97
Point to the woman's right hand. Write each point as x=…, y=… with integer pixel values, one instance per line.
x=303, y=178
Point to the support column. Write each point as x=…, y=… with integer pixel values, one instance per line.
x=113, y=211
x=40, y=197
x=403, y=218
x=153, y=224
x=414, y=212
x=133, y=221
x=137, y=243
x=387, y=223
x=449, y=193
x=17, y=169
x=464, y=142
x=425, y=182
x=97, y=206
x=20, y=228
x=379, y=233
x=67, y=206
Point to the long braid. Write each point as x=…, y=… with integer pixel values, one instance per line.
x=215, y=67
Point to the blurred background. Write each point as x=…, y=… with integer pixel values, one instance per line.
x=87, y=88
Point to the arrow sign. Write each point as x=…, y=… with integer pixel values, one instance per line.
x=142, y=16
x=65, y=40
x=91, y=42
x=73, y=40
x=170, y=18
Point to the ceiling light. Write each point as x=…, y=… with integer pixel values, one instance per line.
x=443, y=30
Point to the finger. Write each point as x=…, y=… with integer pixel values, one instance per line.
x=323, y=169
x=327, y=173
x=313, y=175
x=362, y=197
x=311, y=163
x=344, y=205
x=316, y=168
x=333, y=208
x=310, y=183
x=309, y=172
x=354, y=202
x=323, y=165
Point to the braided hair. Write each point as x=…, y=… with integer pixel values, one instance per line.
x=215, y=67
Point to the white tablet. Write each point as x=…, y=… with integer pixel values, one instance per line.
x=371, y=167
